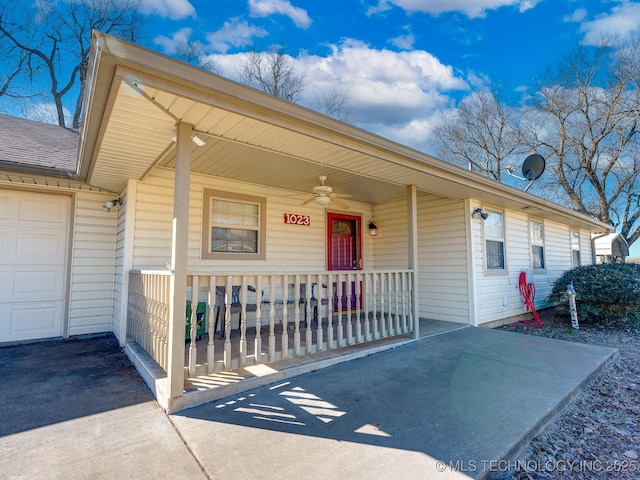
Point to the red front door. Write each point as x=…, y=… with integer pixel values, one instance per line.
x=345, y=247
x=344, y=242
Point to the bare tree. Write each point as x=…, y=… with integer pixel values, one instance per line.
x=194, y=53
x=273, y=72
x=587, y=113
x=482, y=134
x=335, y=103
x=54, y=39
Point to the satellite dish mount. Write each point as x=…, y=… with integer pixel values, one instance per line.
x=532, y=168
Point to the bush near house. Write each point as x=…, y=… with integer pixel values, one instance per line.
x=605, y=293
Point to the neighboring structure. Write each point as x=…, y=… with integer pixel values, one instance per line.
x=610, y=248
x=208, y=186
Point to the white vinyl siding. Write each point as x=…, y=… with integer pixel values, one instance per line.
x=93, y=266
x=390, y=246
x=558, y=259
x=443, y=265
x=121, y=280
x=499, y=297
x=289, y=248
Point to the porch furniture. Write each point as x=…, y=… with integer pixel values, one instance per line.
x=200, y=320
x=234, y=307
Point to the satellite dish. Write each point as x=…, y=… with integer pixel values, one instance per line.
x=533, y=167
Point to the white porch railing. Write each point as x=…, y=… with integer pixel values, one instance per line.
x=240, y=320
x=148, y=313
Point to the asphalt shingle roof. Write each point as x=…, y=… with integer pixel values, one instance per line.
x=35, y=144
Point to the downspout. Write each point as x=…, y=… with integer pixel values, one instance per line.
x=412, y=221
x=179, y=256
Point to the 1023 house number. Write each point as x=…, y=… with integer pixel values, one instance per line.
x=295, y=219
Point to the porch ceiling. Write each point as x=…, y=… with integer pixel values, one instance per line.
x=135, y=98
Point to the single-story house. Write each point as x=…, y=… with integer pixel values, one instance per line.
x=210, y=226
x=610, y=248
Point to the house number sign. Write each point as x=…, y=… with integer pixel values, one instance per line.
x=295, y=219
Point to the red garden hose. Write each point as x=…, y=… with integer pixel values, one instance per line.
x=528, y=291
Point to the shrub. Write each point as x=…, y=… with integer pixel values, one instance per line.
x=605, y=293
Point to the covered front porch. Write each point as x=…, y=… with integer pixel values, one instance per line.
x=243, y=339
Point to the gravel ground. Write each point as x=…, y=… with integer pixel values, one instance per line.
x=598, y=436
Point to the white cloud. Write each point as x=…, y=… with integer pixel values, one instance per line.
x=393, y=94
x=579, y=15
x=170, y=45
x=471, y=8
x=173, y=9
x=235, y=33
x=622, y=22
x=266, y=8
x=406, y=41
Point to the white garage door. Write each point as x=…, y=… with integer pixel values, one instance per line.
x=34, y=231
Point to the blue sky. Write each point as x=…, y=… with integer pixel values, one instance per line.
x=400, y=62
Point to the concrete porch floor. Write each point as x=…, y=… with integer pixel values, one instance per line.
x=207, y=387
x=451, y=405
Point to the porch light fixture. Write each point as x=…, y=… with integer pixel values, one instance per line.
x=322, y=200
x=195, y=139
x=109, y=204
x=478, y=214
x=373, y=229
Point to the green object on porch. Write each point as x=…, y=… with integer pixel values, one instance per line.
x=201, y=320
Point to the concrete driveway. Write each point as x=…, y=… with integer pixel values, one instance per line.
x=448, y=406
x=77, y=409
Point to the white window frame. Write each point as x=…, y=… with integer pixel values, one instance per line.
x=574, y=250
x=206, y=253
x=535, y=243
x=487, y=237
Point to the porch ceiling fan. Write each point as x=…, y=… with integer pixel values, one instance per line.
x=323, y=195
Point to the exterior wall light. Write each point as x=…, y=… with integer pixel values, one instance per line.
x=109, y=204
x=373, y=229
x=478, y=214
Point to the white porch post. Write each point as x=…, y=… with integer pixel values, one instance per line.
x=178, y=292
x=412, y=220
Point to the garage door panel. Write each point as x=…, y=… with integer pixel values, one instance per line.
x=4, y=207
x=41, y=211
x=31, y=284
x=5, y=281
x=34, y=230
x=45, y=247
x=27, y=321
x=4, y=245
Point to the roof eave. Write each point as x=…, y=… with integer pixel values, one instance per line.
x=22, y=169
